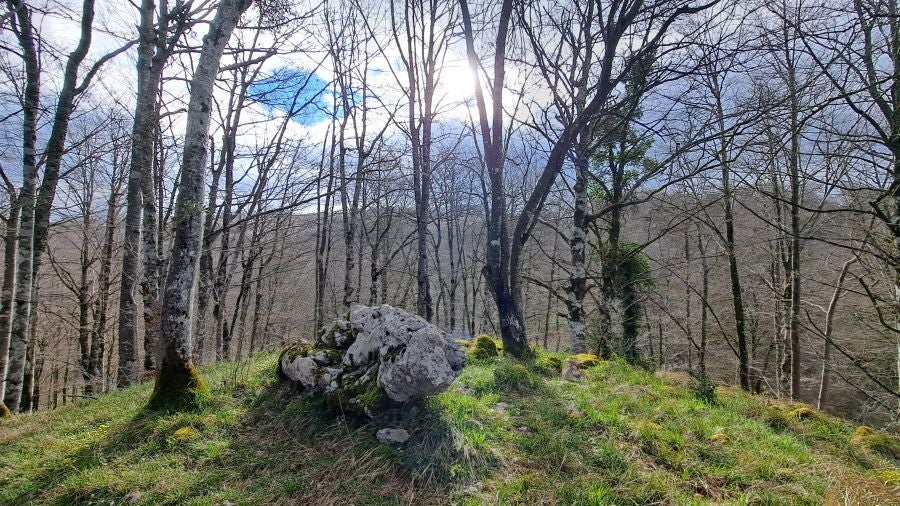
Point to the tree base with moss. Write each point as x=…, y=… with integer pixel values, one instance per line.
x=178, y=387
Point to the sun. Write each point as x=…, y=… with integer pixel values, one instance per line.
x=457, y=82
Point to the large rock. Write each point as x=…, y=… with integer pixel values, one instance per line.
x=378, y=356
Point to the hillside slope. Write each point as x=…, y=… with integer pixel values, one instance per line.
x=504, y=434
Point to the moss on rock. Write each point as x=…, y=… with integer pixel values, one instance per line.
x=360, y=396
x=372, y=361
x=777, y=417
x=484, y=347
x=585, y=360
x=803, y=413
x=549, y=364
x=295, y=351
x=877, y=441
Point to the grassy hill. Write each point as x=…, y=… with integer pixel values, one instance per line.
x=504, y=433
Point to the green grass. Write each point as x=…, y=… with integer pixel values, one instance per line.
x=504, y=433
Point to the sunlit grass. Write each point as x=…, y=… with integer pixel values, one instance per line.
x=504, y=433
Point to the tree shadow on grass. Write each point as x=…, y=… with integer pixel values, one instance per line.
x=297, y=450
x=55, y=472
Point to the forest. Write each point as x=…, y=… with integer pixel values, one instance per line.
x=704, y=188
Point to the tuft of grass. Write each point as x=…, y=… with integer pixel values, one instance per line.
x=703, y=387
x=509, y=375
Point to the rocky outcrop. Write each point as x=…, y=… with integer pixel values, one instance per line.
x=377, y=357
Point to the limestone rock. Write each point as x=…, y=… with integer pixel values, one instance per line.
x=571, y=372
x=392, y=436
x=377, y=355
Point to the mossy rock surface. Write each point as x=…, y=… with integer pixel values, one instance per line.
x=484, y=347
x=585, y=360
x=884, y=444
x=804, y=413
x=497, y=341
x=185, y=435
x=549, y=364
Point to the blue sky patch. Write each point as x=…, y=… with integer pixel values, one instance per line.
x=296, y=91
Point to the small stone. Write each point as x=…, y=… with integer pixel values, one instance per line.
x=501, y=406
x=571, y=372
x=523, y=429
x=392, y=436
x=472, y=489
x=133, y=497
x=572, y=413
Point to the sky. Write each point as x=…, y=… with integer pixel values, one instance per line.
x=301, y=60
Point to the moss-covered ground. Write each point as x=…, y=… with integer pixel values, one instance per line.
x=505, y=433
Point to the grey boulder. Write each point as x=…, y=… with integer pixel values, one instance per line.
x=376, y=355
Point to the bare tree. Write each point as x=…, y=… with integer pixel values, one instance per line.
x=177, y=382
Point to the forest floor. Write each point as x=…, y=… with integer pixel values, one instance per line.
x=503, y=434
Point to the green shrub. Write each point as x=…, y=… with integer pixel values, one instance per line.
x=704, y=388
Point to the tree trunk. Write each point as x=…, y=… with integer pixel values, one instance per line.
x=825, y=378
x=19, y=337
x=704, y=298
x=205, y=286
x=83, y=294
x=178, y=384
x=9, y=286
x=140, y=179
x=734, y=274
x=578, y=246
x=323, y=234
x=794, y=164
x=101, y=314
